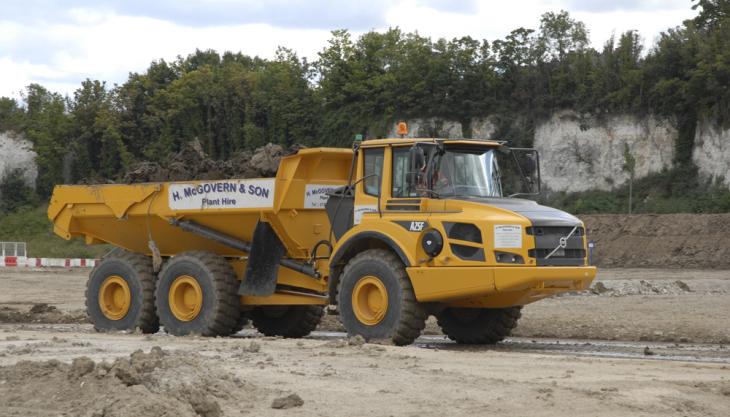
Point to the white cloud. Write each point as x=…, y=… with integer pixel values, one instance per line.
x=60, y=47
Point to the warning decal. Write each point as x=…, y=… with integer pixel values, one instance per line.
x=507, y=236
x=227, y=194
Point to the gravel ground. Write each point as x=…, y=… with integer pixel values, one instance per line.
x=51, y=363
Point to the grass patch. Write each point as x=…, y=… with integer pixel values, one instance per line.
x=678, y=190
x=31, y=225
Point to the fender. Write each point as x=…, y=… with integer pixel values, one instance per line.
x=337, y=256
x=369, y=235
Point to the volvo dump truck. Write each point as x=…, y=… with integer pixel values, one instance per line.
x=386, y=234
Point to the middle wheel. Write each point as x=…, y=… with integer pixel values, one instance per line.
x=197, y=294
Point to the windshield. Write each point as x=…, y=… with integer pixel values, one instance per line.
x=446, y=172
x=466, y=173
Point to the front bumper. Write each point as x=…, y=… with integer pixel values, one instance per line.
x=496, y=286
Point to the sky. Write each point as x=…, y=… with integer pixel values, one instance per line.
x=60, y=43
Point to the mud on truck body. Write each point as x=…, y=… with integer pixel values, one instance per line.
x=386, y=233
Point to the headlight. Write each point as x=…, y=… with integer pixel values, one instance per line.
x=432, y=242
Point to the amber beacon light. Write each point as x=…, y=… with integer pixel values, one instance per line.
x=402, y=129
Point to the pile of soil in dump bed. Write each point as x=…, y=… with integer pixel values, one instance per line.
x=660, y=240
x=145, y=384
x=192, y=163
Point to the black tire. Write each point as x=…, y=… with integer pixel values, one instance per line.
x=220, y=308
x=404, y=318
x=136, y=270
x=478, y=326
x=243, y=321
x=288, y=321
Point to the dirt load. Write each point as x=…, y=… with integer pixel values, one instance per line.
x=660, y=240
x=193, y=163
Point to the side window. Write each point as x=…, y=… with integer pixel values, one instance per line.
x=400, y=170
x=373, y=161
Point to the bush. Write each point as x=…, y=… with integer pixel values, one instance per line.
x=31, y=225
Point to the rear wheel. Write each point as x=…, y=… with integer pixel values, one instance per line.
x=197, y=294
x=287, y=321
x=480, y=326
x=120, y=293
x=376, y=299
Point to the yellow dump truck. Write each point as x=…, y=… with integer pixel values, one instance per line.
x=390, y=232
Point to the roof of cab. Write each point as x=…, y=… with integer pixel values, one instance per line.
x=410, y=141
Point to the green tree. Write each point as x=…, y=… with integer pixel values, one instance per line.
x=12, y=116
x=15, y=192
x=48, y=127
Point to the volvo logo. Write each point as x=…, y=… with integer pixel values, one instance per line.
x=562, y=243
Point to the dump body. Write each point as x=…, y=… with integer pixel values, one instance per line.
x=129, y=216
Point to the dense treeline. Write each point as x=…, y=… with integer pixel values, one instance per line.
x=234, y=101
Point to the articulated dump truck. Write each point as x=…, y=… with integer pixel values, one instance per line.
x=384, y=234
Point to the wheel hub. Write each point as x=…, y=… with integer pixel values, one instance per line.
x=185, y=298
x=370, y=300
x=114, y=297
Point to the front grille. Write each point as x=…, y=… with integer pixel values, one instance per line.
x=564, y=253
x=548, y=230
x=547, y=238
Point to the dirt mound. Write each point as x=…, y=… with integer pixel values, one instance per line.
x=660, y=240
x=640, y=287
x=192, y=163
x=144, y=384
x=41, y=313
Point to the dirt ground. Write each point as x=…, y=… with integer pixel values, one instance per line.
x=52, y=363
x=89, y=374
x=669, y=305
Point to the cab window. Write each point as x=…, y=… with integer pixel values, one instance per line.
x=373, y=162
x=401, y=165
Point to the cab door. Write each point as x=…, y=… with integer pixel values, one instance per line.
x=369, y=189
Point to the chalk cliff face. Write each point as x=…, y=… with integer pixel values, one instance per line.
x=481, y=128
x=583, y=154
x=429, y=128
x=712, y=151
x=17, y=153
x=579, y=154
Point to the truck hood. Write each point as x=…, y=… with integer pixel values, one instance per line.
x=537, y=214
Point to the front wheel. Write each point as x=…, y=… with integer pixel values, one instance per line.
x=478, y=326
x=376, y=299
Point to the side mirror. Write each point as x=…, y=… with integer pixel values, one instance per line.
x=528, y=164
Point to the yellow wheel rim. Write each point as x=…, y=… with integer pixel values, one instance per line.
x=370, y=300
x=185, y=298
x=114, y=297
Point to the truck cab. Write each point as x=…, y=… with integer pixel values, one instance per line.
x=451, y=213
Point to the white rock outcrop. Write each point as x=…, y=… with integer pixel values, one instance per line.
x=712, y=151
x=17, y=152
x=484, y=128
x=583, y=154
